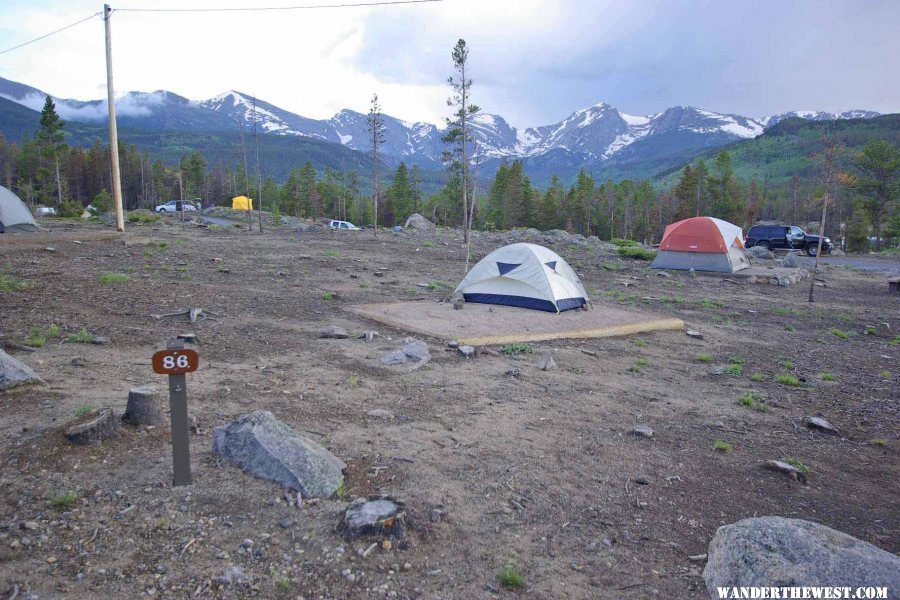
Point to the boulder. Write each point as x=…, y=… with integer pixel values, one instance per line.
x=467, y=351
x=14, y=372
x=269, y=449
x=760, y=252
x=780, y=552
x=417, y=221
x=790, y=261
x=546, y=362
x=417, y=350
x=335, y=333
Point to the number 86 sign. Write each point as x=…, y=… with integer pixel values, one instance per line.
x=173, y=362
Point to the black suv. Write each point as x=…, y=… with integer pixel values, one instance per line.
x=785, y=236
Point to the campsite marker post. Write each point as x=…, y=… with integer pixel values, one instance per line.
x=175, y=361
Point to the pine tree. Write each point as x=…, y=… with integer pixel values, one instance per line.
x=878, y=165
x=548, y=210
x=458, y=132
x=50, y=137
x=401, y=195
x=376, y=137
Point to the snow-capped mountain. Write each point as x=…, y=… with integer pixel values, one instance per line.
x=589, y=136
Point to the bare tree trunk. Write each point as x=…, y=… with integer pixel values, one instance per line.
x=58, y=186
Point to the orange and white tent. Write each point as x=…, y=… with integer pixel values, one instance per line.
x=702, y=244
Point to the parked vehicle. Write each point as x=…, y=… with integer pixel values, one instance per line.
x=44, y=211
x=788, y=237
x=343, y=225
x=173, y=206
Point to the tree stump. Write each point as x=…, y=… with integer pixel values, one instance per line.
x=144, y=407
x=93, y=427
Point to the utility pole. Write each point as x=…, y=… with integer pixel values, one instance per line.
x=113, y=132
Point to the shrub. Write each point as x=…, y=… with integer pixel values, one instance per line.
x=63, y=500
x=722, y=446
x=328, y=296
x=637, y=252
x=9, y=283
x=517, y=348
x=70, y=208
x=511, y=578
x=102, y=202
x=734, y=370
x=828, y=377
x=796, y=464
x=840, y=334
x=82, y=337
x=711, y=303
x=705, y=358
x=622, y=242
x=757, y=377
x=84, y=409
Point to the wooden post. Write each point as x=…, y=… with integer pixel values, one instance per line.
x=113, y=131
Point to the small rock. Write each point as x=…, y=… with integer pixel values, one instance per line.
x=697, y=558
x=589, y=352
x=78, y=362
x=379, y=413
x=641, y=480
x=662, y=274
x=453, y=344
x=386, y=545
x=789, y=470
x=406, y=566
x=368, y=335
x=335, y=333
x=821, y=424
x=287, y=522
x=467, y=351
x=546, y=363
x=458, y=303
x=247, y=543
x=190, y=338
x=752, y=279
x=694, y=334
x=643, y=431
x=100, y=340
x=30, y=525
x=51, y=560
x=513, y=373
x=397, y=357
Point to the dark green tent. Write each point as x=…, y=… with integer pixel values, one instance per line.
x=14, y=215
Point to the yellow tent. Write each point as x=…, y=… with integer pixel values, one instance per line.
x=242, y=203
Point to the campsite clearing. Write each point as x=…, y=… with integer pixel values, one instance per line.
x=500, y=465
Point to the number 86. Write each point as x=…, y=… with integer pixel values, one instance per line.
x=170, y=362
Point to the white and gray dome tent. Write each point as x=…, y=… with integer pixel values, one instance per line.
x=525, y=275
x=14, y=215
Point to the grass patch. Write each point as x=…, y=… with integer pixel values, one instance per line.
x=705, y=358
x=839, y=334
x=142, y=218
x=753, y=400
x=788, y=380
x=787, y=364
x=640, y=364
x=735, y=360
x=428, y=244
x=511, y=578
x=354, y=381
x=757, y=377
x=894, y=342
x=37, y=337
x=828, y=376
x=437, y=285
x=885, y=374
x=106, y=278
x=63, y=500
x=637, y=252
x=84, y=409
x=796, y=464
x=576, y=370
x=722, y=446
x=331, y=253
x=711, y=303
x=613, y=266
x=181, y=268
x=639, y=342
x=622, y=242
x=282, y=583
x=8, y=283
x=82, y=337
x=789, y=327
x=163, y=245
x=734, y=370
x=328, y=296
x=870, y=330
x=781, y=310
x=517, y=348
x=878, y=442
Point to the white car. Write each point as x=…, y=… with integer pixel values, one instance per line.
x=173, y=206
x=46, y=210
x=343, y=225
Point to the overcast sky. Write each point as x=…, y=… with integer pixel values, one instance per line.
x=533, y=61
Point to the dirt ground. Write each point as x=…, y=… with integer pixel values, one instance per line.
x=498, y=462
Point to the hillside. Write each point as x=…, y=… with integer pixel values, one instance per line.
x=790, y=146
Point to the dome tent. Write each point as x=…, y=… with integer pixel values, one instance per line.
x=702, y=244
x=242, y=203
x=14, y=215
x=525, y=275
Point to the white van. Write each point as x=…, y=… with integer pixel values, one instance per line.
x=343, y=225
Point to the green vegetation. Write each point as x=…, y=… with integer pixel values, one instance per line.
x=753, y=400
x=37, y=337
x=885, y=374
x=331, y=253
x=613, y=266
x=796, y=464
x=9, y=283
x=787, y=380
x=734, y=370
x=84, y=409
x=757, y=377
x=840, y=334
x=878, y=442
x=828, y=376
x=789, y=327
x=517, y=348
x=437, y=285
x=511, y=578
x=781, y=310
x=722, y=446
x=63, y=500
x=428, y=244
x=328, y=296
x=576, y=370
x=705, y=358
x=354, y=380
x=705, y=303
x=639, y=364
x=639, y=342
x=163, y=245
x=106, y=278
x=637, y=252
x=621, y=242
x=82, y=337
x=136, y=217
x=895, y=342
x=787, y=364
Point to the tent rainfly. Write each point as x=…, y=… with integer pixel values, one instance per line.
x=702, y=244
x=14, y=215
x=525, y=275
x=242, y=203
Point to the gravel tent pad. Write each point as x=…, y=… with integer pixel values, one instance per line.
x=483, y=324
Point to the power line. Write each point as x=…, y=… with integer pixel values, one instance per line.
x=37, y=39
x=270, y=8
